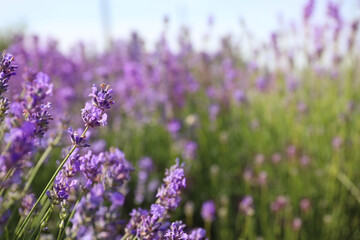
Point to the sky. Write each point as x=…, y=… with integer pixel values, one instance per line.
x=73, y=20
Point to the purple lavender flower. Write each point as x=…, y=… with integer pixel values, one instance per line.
x=7, y=69
x=190, y=150
x=296, y=224
x=308, y=10
x=279, y=204
x=61, y=189
x=151, y=223
x=4, y=107
x=135, y=220
x=26, y=204
x=246, y=206
x=176, y=232
x=174, y=126
x=198, y=234
x=305, y=205
x=41, y=117
x=116, y=169
x=103, y=98
x=91, y=167
x=262, y=83
x=174, y=181
x=93, y=116
x=78, y=141
x=208, y=211
x=38, y=89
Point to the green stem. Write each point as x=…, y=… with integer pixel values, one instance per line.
x=125, y=236
x=41, y=161
x=349, y=185
x=18, y=233
x=8, y=174
x=6, y=148
x=60, y=231
x=208, y=228
x=48, y=212
x=73, y=211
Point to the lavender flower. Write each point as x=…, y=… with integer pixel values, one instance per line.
x=38, y=89
x=174, y=181
x=91, y=167
x=7, y=69
x=198, y=234
x=26, y=204
x=103, y=98
x=4, y=107
x=78, y=141
x=176, y=232
x=246, y=206
x=279, y=204
x=208, y=211
x=151, y=223
x=305, y=205
x=308, y=10
x=93, y=116
x=61, y=189
x=296, y=224
x=135, y=220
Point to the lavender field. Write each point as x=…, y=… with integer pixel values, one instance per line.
x=258, y=139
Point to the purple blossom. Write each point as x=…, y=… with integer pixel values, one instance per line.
x=168, y=194
x=41, y=117
x=7, y=69
x=26, y=204
x=190, y=150
x=93, y=116
x=103, y=98
x=308, y=10
x=61, y=189
x=76, y=139
x=208, y=210
x=135, y=220
x=151, y=223
x=38, y=89
x=176, y=232
x=246, y=206
x=296, y=224
x=279, y=204
x=305, y=205
x=198, y=234
x=91, y=167
x=174, y=126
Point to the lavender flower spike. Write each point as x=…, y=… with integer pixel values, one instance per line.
x=176, y=232
x=6, y=71
x=169, y=193
x=103, y=98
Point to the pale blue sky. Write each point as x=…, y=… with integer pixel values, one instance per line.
x=73, y=20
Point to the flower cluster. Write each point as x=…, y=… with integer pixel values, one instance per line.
x=7, y=69
x=152, y=224
x=93, y=113
x=168, y=194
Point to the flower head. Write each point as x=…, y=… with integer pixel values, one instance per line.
x=7, y=69
x=103, y=98
x=176, y=232
x=169, y=193
x=208, y=211
x=93, y=116
x=78, y=141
